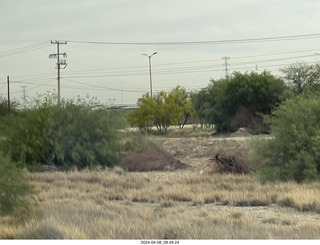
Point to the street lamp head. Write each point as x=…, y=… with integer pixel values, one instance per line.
x=150, y=55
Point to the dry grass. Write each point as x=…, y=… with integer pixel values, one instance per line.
x=114, y=204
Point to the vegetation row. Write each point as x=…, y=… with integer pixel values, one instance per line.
x=82, y=133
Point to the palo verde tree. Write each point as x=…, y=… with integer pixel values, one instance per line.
x=162, y=110
x=185, y=108
x=143, y=117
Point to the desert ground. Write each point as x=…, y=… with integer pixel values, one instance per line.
x=189, y=203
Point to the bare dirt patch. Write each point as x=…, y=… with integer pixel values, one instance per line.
x=196, y=152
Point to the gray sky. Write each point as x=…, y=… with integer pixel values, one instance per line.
x=119, y=73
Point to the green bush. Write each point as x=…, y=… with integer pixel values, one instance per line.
x=82, y=137
x=78, y=133
x=293, y=153
x=240, y=101
x=25, y=135
x=15, y=193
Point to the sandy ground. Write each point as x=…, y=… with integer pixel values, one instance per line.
x=197, y=152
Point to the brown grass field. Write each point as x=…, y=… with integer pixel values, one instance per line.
x=179, y=204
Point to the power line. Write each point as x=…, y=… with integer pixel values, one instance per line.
x=279, y=53
x=127, y=71
x=209, y=65
x=24, y=49
x=103, y=87
x=210, y=42
x=3, y=85
x=140, y=70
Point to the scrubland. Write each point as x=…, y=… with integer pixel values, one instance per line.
x=113, y=204
x=180, y=204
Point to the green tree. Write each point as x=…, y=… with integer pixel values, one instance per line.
x=143, y=117
x=302, y=76
x=162, y=110
x=293, y=153
x=200, y=104
x=241, y=100
x=184, y=106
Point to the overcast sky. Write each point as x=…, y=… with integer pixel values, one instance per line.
x=119, y=73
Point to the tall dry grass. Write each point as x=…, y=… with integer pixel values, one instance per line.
x=165, y=205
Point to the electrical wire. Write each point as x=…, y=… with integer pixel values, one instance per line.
x=103, y=87
x=210, y=42
x=162, y=69
x=24, y=49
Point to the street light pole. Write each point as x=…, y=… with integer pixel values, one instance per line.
x=149, y=56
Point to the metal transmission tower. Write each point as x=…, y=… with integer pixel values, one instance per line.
x=226, y=65
x=24, y=93
x=61, y=63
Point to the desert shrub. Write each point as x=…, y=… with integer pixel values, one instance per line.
x=293, y=153
x=77, y=132
x=15, y=193
x=25, y=135
x=4, y=110
x=82, y=137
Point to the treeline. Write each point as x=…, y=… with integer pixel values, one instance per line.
x=240, y=100
x=288, y=108
x=82, y=133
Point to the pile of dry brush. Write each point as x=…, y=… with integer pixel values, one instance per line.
x=154, y=158
x=231, y=162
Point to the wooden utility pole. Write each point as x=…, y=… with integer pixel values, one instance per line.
x=8, y=81
x=61, y=64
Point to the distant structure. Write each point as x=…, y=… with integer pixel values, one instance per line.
x=226, y=65
x=124, y=106
x=61, y=63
